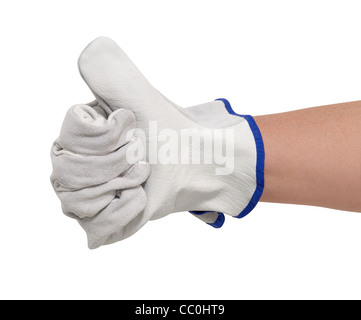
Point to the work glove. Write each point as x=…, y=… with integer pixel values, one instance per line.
x=132, y=155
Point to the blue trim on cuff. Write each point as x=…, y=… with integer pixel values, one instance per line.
x=219, y=222
x=260, y=159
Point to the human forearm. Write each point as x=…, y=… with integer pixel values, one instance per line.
x=313, y=156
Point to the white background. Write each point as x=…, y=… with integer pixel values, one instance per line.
x=264, y=56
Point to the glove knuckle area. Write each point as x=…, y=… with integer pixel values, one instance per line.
x=87, y=131
x=98, y=183
x=73, y=172
x=93, y=149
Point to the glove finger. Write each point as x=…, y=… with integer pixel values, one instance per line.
x=114, y=79
x=72, y=172
x=90, y=201
x=213, y=218
x=85, y=131
x=108, y=223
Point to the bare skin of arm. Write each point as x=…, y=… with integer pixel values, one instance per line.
x=313, y=156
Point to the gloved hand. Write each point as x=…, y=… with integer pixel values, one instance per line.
x=99, y=173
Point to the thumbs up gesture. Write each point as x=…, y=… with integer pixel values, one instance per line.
x=132, y=155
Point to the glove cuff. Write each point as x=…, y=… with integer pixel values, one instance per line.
x=260, y=158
